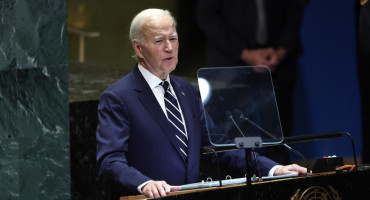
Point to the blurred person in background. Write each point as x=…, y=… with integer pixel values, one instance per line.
x=257, y=32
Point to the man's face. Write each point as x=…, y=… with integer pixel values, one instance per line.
x=158, y=50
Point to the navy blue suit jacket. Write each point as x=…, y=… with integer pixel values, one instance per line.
x=135, y=141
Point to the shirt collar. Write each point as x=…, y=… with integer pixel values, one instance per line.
x=150, y=78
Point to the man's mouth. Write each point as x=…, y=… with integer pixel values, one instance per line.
x=169, y=58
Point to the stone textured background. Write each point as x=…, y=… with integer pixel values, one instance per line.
x=34, y=117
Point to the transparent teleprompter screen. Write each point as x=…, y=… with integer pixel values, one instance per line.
x=239, y=102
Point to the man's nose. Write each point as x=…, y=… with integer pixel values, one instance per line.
x=168, y=45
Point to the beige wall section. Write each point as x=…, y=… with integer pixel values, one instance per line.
x=112, y=48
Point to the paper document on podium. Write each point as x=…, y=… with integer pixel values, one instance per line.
x=235, y=181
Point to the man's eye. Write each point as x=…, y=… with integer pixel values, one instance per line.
x=173, y=39
x=158, y=41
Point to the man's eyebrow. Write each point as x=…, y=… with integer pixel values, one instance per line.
x=161, y=36
x=158, y=37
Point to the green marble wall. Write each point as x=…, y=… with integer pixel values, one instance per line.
x=34, y=119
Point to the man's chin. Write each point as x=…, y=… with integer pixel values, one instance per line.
x=169, y=67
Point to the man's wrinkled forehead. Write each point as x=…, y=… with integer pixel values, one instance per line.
x=160, y=25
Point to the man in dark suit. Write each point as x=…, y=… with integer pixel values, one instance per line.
x=257, y=32
x=140, y=145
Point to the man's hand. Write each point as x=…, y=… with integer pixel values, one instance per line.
x=269, y=57
x=256, y=56
x=155, y=189
x=290, y=169
x=276, y=57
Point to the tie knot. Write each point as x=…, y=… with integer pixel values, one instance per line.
x=165, y=85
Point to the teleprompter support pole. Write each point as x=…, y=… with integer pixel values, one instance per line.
x=248, y=167
x=247, y=143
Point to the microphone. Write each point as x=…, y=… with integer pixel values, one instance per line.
x=256, y=125
x=230, y=117
x=247, y=153
x=271, y=135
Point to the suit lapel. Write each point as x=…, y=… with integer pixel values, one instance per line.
x=147, y=98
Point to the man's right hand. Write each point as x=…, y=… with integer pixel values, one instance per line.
x=257, y=56
x=155, y=189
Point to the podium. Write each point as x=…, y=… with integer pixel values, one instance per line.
x=344, y=185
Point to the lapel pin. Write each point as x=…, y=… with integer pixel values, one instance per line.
x=183, y=94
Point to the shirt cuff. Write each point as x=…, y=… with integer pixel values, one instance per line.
x=272, y=170
x=142, y=185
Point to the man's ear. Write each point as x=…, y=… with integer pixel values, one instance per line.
x=137, y=48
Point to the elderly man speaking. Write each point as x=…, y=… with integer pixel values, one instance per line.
x=152, y=124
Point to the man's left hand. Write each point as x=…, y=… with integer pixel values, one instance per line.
x=276, y=57
x=290, y=169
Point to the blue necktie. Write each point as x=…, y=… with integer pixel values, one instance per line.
x=174, y=117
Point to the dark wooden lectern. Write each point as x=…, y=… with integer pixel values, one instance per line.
x=343, y=185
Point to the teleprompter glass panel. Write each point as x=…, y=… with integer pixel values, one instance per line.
x=239, y=102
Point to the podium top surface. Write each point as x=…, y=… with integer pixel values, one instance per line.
x=345, y=185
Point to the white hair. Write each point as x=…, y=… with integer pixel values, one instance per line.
x=144, y=16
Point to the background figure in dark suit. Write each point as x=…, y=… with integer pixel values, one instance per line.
x=364, y=73
x=139, y=145
x=256, y=32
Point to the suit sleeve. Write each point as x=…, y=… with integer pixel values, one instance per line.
x=113, y=134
